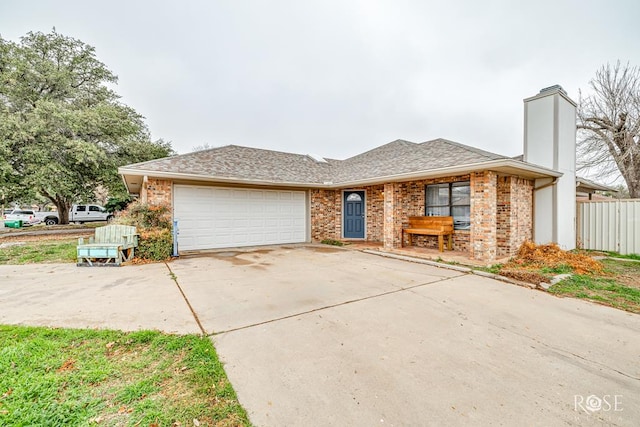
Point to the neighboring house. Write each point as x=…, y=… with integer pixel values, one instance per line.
x=587, y=190
x=239, y=196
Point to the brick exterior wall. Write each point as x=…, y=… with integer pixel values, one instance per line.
x=375, y=213
x=514, y=218
x=521, y=212
x=388, y=207
x=392, y=224
x=484, y=211
x=158, y=192
x=412, y=196
x=325, y=211
x=503, y=218
x=501, y=212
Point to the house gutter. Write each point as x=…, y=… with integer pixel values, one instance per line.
x=452, y=170
x=548, y=184
x=223, y=180
x=457, y=170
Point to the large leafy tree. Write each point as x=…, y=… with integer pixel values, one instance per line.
x=63, y=130
x=609, y=123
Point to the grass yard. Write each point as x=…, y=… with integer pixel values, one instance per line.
x=618, y=286
x=55, y=377
x=603, y=290
x=39, y=251
x=43, y=251
x=612, y=282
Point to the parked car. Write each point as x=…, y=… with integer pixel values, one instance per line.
x=28, y=217
x=78, y=213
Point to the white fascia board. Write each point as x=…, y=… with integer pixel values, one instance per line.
x=501, y=165
x=584, y=183
x=509, y=166
x=227, y=180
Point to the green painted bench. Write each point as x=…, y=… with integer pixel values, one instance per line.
x=111, y=246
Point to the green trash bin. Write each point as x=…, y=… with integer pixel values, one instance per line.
x=13, y=223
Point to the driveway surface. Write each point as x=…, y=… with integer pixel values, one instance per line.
x=326, y=336
x=63, y=295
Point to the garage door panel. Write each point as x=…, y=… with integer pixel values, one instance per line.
x=216, y=217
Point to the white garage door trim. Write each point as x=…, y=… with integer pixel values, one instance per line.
x=225, y=217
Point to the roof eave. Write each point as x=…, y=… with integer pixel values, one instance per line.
x=215, y=179
x=588, y=186
x=505, y=166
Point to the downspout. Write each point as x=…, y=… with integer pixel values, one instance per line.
x=549, y=184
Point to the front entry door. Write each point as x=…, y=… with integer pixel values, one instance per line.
x=354, y=214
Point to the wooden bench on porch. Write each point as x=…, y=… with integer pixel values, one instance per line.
x=111, y=246
x=430, y=226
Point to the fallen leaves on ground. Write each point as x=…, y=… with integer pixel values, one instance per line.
x=527, y=276
x=551, y=256
x=68, y=365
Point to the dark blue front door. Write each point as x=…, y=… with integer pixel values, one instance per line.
x=354, y=214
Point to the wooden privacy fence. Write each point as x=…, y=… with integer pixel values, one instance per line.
x=612, y=225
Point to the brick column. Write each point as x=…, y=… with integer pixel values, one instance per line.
x=505, y=218
x=392, y=229
x=484, y=211
x=159, y=191
x=323, y=215
x=143, y=190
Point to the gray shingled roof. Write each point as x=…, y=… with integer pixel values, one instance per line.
x=399, y=157
x=244, y=163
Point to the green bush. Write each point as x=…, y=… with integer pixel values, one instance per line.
x=145, y=216
x=155, y=244
x=116, y=204
x=154, y=226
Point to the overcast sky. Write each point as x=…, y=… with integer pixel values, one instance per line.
x=337, y=78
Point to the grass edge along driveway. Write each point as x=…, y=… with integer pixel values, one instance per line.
x=103, y=377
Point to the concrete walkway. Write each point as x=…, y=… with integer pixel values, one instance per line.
x=323, y=336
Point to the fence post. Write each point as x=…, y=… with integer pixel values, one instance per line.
x=618, y=226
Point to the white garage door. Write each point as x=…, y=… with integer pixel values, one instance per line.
x=219, y=217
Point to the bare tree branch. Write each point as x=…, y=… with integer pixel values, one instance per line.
x=609, y=125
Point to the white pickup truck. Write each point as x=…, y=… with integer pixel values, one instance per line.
x=78, y=213
x=28, y=217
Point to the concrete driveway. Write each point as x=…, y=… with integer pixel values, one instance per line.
x=326, y=336
x=63, y=295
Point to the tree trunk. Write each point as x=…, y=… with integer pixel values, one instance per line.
x=634, y=188
x=63, y=207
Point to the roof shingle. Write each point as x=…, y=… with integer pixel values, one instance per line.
x=245, y=163
x=399, y=157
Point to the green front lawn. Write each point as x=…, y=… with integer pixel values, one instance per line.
x=55, y=377
x=618, y=286
x=612, y=282
x=39, y=252
x=600, y=289
x=628, y=256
